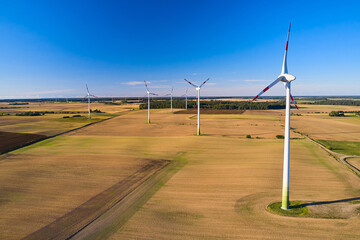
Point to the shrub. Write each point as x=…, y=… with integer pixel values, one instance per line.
x=248, y=136
x=280, y=136
x=337, y=114
x=30, y=114
x=96, y=111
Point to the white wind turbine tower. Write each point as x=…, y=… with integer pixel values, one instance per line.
x=148, y=94
x=198, y=101
x=185, y=95
x=88, y=96
x=286, y=78
x=171, y=98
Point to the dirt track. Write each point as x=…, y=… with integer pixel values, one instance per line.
x=72, y=222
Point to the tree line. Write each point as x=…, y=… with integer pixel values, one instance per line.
x=214, y=104
x=335, y=102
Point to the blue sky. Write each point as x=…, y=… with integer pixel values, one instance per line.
x=52, y=48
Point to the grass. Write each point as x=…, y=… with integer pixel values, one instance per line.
x=344, y=147
x=297, y=209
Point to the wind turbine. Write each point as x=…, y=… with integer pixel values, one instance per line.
x=171, y=98
x=198, y=101
x=88, y=96
x=148, y=94
x=286, y=78
x=185, y=98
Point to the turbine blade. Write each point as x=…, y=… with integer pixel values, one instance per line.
x=154, y=94
x=191, y=83
x=87, y=89
x=204, y=82
x=292, y=99
x=268, y=87
x=284, y=67
x=146, y=86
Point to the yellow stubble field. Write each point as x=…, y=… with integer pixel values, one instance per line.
x=224, y=189
x=322, y=126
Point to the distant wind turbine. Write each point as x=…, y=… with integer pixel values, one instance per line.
x=171, y=98
x=148, y=94
x=185, y=95
x=88, y=96
x=286, y=78
x=198, y=101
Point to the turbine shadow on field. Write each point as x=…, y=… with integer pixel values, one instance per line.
x=326, y=202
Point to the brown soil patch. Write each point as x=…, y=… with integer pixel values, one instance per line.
x=72, y=222
x=12, y=141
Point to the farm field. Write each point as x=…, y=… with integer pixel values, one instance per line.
x=81, y=107
x=220, y=193
x=22, y=130
x=322, y=126
x=224, y=197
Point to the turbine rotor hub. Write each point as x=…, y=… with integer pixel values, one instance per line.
x=287, y=77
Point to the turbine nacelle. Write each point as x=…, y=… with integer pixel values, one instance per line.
x=286, y=77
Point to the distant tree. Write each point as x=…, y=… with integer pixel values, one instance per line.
x=347, y=102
